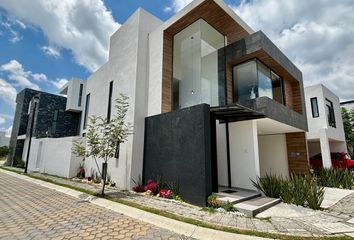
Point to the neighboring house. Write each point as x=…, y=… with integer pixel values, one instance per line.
x=326, y=132
x=213, y=103
x=4, y=140
x=349, y=105
x=40, y=116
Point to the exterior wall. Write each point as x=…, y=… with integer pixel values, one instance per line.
x=221, y=154
x=316, y=124
x=319, y=129
x=178, y=149
x=244, y=158
x=4, y=141
x=72, y=92
x=19, y=126
x=273, y=155
x=53, y=156
x=297, y=153
x=127, y=68
x=314, y=148
x=67, y=122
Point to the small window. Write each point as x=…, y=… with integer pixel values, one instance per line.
x=86, y=109
x=330, y=113
x=80, y=94
x=314, y=107
x=109, y=101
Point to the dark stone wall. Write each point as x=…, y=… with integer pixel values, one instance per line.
x=67, y=123
x=19, y=125
x=178, y=148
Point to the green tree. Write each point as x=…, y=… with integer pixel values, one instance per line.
x=348, y=123
x=104, y=137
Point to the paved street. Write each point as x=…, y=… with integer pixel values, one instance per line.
x=30, y=211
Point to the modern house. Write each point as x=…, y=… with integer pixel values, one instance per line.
x=4, y=140
x=40, y=118
x=326, y=132
x=213, y=103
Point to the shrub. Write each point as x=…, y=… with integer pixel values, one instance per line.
x=270, y=185
x=338, y=178
x=314, y=196
x=229, y=207
x=18, y=162
x=299, y=190
x=213, y=201
x=4, y=151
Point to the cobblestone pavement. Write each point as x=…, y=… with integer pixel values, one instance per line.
x=300, y=226
x=30, y=211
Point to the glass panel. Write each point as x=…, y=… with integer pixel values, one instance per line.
x=245, y=81
x=253, y=79
x=277, y=84
x=195, y=66
x=264, y=82
x=330, y=113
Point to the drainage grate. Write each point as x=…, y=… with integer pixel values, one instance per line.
x=229, y=191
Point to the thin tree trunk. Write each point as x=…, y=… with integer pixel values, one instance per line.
x=98, y=168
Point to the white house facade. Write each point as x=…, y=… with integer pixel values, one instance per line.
x=326, y=132
x=213, y=104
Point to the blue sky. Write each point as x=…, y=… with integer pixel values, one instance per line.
x=45, y=43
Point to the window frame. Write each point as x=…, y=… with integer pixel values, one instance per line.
x=109, y=107
x=87, y=105
x=235, y=88
x=331, y=116
x=312, y=107
x=80, y=94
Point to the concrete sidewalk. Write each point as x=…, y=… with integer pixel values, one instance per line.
x=159, y=221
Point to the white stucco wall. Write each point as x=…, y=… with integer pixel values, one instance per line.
x=128, y=69
x=321, y=122
x=273, y=158
x=72, y=91
x=319, y=129
x=244, y=157
x=53, y=156
x=221, y=154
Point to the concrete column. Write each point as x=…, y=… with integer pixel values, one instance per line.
x=325, y=149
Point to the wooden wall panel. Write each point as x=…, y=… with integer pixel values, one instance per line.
x=297, y=153
x=167, y=76
x=213, y=14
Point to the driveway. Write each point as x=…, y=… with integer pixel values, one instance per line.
x=30, y=211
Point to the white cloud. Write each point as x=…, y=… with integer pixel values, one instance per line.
x=84, y=27
x=177, y=5
x=59, y=82
x=318, y=36
x=8, y=93
x=51, y=51
x=17, y=74
x=2, y=120
x=7, y=131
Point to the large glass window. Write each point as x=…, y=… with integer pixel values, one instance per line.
x=330, y=113
x=195, y=65
x=253, y=79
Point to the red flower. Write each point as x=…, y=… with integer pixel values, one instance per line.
x=151, y=185
x=165, y=193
